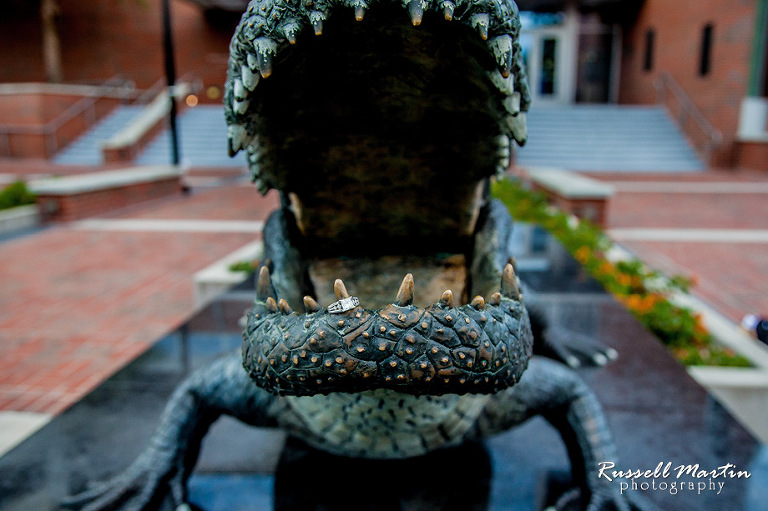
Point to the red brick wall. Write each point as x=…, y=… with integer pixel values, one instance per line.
x=678, y=25
x=60, y=208
x=34, y=113
x=104, y=38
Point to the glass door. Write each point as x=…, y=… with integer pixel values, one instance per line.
x=545, y=50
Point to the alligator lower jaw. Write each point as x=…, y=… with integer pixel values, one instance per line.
x=482, y=347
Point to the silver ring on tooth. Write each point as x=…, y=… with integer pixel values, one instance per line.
x=343, y=305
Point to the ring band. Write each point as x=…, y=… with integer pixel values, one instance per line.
x=343, y=305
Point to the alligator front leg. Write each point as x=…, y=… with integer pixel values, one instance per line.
x=162, y=470
x=555, y=392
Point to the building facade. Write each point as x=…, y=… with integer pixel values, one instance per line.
x=705, y=58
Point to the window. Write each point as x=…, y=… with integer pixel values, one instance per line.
x=705, y=63
x=650, y=42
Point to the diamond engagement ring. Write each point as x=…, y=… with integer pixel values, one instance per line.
x=343, y=305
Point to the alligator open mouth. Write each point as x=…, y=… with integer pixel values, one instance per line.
x=380, y=124
x=477, y=348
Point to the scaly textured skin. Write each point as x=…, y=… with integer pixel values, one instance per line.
x=399, y=381
x=475, y=348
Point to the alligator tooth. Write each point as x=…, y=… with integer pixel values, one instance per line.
x=240, y=106
x=517, y=126
x=265, y=49
x=249, y=78
x=509, y=283
x=236, y=136
x=340, y=289
x=513, y=262
x=310, y=305
x=480, y=22
x=264, y=285
x=290, y=29
x=405, y=293
x=316, y=18
x=284, y=307
x=448, y=8
x=253, y=61
x=416, y=11
x=505, y=85
x=238, y=90
x=271, y=305
x=359, y=6
x=495, y=298
x=512, y=104
x=502, y=47
x=447, y=299
x=478, y=302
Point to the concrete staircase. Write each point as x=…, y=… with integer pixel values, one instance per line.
x=202, y=134
x=86, y=150
x=202, y=141
x=606, y=138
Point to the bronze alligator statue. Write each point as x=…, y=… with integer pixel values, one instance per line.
x=380, y=124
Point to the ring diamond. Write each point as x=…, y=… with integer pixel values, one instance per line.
x=343, y=305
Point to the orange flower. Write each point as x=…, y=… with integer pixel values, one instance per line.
x=582, y=254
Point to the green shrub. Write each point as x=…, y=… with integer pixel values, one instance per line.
x=643, y=291
x=16, y=194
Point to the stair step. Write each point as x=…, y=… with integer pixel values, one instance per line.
x=606, y=137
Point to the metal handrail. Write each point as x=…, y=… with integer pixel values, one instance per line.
x=85, y=106
x=665, y=83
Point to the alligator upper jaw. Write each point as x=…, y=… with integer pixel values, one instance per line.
x=481, y=347
x=272, y=32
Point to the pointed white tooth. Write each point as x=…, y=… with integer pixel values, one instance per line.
x=505, y=85
x=518, y=128
x=448, y=8
x=265, y=48
x=502, y=48
x=290, y=30
x=416, y=11
x=236, y=136
x=512, y=104
x=316, y=18
x=480, y=22
x=238, y=89
x=359, y=6
x=249, y=78
x=240, y=106
x=504, y=149
x=253, y=62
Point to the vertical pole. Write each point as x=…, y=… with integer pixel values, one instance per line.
x=757, y=70
x=170, y=74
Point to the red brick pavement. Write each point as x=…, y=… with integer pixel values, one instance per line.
x=731, y=277
x=76, y=305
